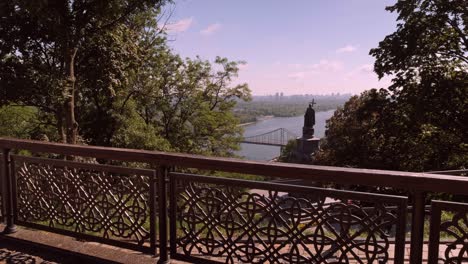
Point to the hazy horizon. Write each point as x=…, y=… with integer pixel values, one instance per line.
x=304, y=94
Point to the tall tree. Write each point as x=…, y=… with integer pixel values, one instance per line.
x=421, y=122
x=190, y=102
x=354, y=133
x=430, y=34
x=427, y=57
x=42, y=45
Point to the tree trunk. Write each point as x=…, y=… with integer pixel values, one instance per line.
x=69, y=106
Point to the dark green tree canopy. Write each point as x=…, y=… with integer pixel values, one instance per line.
x=43, y=44
x=430, y=34
x=420, y=122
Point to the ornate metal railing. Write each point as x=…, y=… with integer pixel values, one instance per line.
x=455, y=230
x=99, y=202
x=146, y=199
x=255, y=222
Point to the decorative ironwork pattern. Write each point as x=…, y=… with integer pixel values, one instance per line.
x=238, y=221
x=452, y=225
x=103, y=201
x=16, y=257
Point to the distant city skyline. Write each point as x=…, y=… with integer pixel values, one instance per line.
x=309, y=47
x=281, y=94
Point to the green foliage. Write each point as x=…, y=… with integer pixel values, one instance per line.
x=430, y=34
x=421, y=122
x=50, y=52
x=288, y=152
x=190, y=102
x=21, y=122
x=122, y=86
x=133, y=132
x=374, y=131
x=352, y=137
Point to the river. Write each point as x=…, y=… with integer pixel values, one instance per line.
x=293, y=124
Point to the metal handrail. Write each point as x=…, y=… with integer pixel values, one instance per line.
x=417, y=184
x=382, y=178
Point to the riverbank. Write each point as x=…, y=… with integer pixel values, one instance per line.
x=246, y=124
x=287, y=106
x=258, y=119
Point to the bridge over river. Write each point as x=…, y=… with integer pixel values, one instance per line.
x=278, y=137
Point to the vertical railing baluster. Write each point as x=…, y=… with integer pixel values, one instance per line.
x=172, y=214
x=2, y=190
x=14, y=189
x=162, y=204
x=400, y=233
x=10, y=214
x=434, y=235
x=153, y=210
x=417, y=227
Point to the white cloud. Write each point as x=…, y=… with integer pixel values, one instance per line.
x=328, y=65
x=295, y=66
x=211, y=29
x=347, y=48
x=179, y=26
x=302, y=71
x=297, y=75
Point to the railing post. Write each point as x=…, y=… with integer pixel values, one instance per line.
x=172, y=214
x=3, y=191
x=434, y=234
x=153, y=209
x=417, y=227
x=162, y=205
x=8, y=180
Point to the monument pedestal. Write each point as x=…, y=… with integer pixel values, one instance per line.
x=307, y=146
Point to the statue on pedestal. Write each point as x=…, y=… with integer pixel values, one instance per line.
x=307, y=145
x=309, y=121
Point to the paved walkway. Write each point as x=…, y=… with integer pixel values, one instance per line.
x=39, y=247
x=33, y=246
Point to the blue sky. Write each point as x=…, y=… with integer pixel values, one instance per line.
x=295, y=47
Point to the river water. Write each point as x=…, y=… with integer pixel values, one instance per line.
x=293, y=124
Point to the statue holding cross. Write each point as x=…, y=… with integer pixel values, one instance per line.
x=311, y=104
x=309, y=117
x=307, y=145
